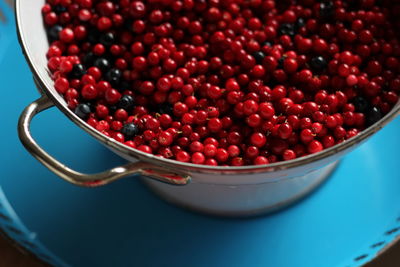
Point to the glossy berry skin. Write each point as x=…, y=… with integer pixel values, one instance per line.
x=183, y=156
x=314, y=147
x=258, y=139
x=318, y=63
x=165, y=138
x=126, y=102
x=77, y=71
x=82, y=111
x=198, y=158
x=373, y=115
x=130, y=130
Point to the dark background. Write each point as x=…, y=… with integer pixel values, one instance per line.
x=12, y=256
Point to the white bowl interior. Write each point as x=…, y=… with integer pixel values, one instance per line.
x=36, y=43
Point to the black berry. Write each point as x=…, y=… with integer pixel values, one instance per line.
x=113, y=76
x=102, y=63
x=286, y=29
x=126, y=102
x=259, y=56
x=360, y=104
x=318, y=63
x=300, y=23
x=327, y=10
x=54, y=31
x=107, y=39
x=165, y=108
x=373, y=116
x=130, y=130
x=77, y=71
x=58, y=9
x=82, y=111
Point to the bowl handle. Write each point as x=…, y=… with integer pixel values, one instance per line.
x=88, y=180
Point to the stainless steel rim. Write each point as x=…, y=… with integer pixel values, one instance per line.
x=189, y=166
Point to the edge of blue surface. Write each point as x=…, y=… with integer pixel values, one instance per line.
x=9, y=220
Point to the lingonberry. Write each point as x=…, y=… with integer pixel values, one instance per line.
x=285, y=130
x=258, y=139
x=314, y=147
x=288, y=154
x=261, y=160
x=233, y=151
x=222, y=155
x=183, y=156
x=198, y=158
x=306, y=136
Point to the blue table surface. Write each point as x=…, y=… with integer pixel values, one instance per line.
x=123, y=224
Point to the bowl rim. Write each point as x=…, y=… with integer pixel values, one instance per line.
x=43, y=85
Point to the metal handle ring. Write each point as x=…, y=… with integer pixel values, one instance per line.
x=81, y=179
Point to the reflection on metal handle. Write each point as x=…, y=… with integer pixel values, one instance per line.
x=89, y=180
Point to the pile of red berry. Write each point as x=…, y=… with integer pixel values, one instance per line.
x=226, y=82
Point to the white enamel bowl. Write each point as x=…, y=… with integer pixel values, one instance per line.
x=227, y=191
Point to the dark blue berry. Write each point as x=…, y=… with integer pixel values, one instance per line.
x=259, y=57
x=300, y=23
x=77, y=71
x=286, y=29
x=267, y=44
x=113, y=76
x=107, y=39
x=82, y=111
x=53, y=32
x=102, y=63
x=58, y=9
x=165, y=108
x=92, y=106
x=327, y=10
x=360, y=104
x=318, y=63
x=130, y=130
x=373, y=115
x=126, y=102
x=280, y=62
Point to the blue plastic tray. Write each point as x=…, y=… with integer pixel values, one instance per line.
x=344, y=223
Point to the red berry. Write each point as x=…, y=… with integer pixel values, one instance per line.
x=89, y=92
x=183, y=156
x=214, y=125
x=61, y=85
x=222, y=155
x=288, y=154
x=233, y=151
x=66, y=35
x=290, y=65
x=260, y=160
x=314, y=147
x=285, y=130
x=210, y=150
x=198, y=158
x=258, y=139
